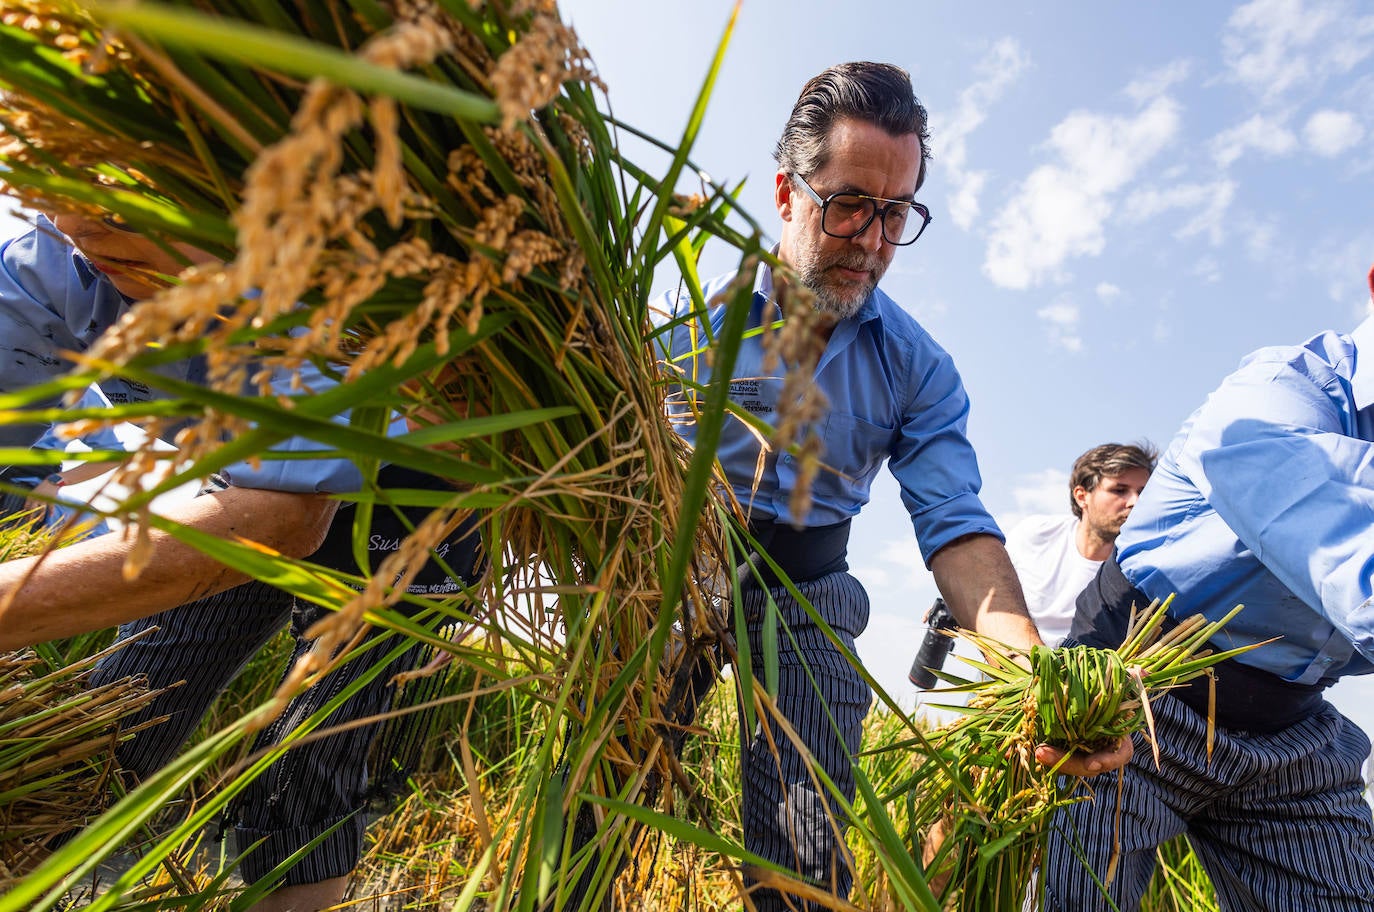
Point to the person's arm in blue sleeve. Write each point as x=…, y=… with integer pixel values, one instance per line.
x=960, y=542
x=937, y=469
x=51, y=303
x=1272, y=452
x=331, y=475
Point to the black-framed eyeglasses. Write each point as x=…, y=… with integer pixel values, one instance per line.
x=846, y=215
x=118, y=223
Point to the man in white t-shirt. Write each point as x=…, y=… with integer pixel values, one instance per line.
x=1057, y=556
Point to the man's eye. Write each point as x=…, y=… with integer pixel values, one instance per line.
x=847, y=207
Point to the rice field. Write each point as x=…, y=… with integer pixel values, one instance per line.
x=425, y=842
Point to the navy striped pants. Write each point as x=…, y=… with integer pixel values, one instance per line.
x=205, y=644
x=786, y=817
x=1279, y=820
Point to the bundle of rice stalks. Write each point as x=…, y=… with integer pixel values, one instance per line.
x=57, y=741
x=981, y=800
x=422, y=202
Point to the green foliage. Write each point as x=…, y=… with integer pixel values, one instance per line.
x=984, y=803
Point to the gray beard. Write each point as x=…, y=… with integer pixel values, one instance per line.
x=840, y=310
x=826, y=302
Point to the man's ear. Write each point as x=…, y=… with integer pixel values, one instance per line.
x=782, y=196
x=1080, y=495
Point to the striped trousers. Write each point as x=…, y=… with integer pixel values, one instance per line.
x=205, y=644
x=787, y=817
x=321, y=784
x=1279, y=820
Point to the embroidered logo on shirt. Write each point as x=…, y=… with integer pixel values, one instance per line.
x=747, y=393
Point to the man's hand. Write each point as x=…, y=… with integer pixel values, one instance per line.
x=1085, y=765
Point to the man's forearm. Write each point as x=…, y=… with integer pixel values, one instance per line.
x=979, y=585
x=82, y=587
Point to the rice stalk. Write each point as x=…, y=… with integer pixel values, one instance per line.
x=981, y=803
x=57, y=740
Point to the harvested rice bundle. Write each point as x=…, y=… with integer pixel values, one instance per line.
x=57, y=740
x=985, y=802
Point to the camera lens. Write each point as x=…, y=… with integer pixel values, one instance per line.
x=935, y=646
x=930, y=658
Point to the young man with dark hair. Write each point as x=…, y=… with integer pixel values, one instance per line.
x=1055, y=556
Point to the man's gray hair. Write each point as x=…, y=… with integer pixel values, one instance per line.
x=876, y=93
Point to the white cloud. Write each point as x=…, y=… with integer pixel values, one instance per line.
x=1061, y=321
x=1106, y=291
x=1261, y=239
x=998, y=69
x=14, y=220
x=893, y=565
x=1158, y=82
x=1209, y=202
x=1060, y=209
x=1341, y=267
x=1330, y=133
x=1275, y=47
x=898, y=551
x=1035, y=493
x=964, y=206
x=1267, y=245
x=1208, y=270
x=1261, y=133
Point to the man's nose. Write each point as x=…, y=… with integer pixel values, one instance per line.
x=871, y=238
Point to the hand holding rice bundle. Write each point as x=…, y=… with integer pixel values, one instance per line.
x=984, y=803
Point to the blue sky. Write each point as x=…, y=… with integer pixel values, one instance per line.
x=1128, y=197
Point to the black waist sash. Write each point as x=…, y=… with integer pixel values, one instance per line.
x=1248, y=699
x=802, y=554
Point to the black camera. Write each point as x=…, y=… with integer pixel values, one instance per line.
x=935, y=646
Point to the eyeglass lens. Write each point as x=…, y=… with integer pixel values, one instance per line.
x=848, y=214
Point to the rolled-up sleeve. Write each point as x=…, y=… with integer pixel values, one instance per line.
x=1295, y=486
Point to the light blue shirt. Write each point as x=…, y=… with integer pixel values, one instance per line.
x=893, y=395
x=1266, y=499
x=66, y=510
x=53, y=301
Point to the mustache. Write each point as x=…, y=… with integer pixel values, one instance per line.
x=854, y=261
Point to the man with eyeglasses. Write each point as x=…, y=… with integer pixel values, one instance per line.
x=850, y=162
